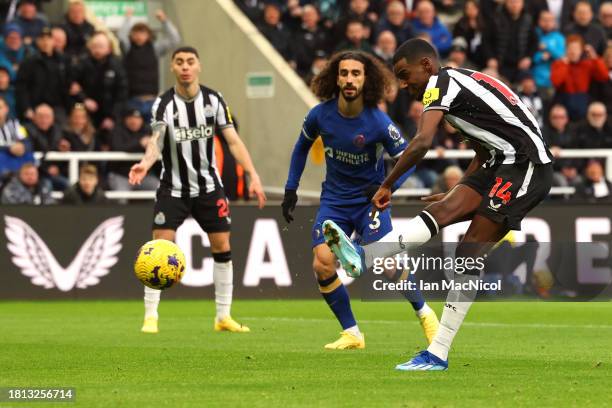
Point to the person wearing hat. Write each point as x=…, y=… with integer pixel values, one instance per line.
x=130, y=135
x=42, y=78
x=458, y=55
x=142, y=51
x=30, y=20
x=13, y=50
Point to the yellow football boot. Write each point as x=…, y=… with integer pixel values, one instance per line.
x=150, y=325
x=230, y=325
x=347, y=341
x=429, y=323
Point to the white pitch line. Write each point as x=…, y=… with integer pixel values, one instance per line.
x=473, y=324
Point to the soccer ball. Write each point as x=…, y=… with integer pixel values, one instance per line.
x=159, y=264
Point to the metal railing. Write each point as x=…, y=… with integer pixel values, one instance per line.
x=74, y=158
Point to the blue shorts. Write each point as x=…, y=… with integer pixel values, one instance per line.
x=353, y=218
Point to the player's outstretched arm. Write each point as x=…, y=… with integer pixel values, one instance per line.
x=296, y=168
x=242, y=156
x=139, y=170
x=414, y=153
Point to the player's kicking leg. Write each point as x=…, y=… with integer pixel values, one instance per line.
x=152, y=296
x=335, y=294
x=223, y=277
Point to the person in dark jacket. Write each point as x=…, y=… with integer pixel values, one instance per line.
x=87, y=190
x=595, y=187
x=309, y=38
x=27, y=188
x=45, y=136
x=471, y=27
x=101, y=83
x=30, y=21
x=595, y=132
x=510, y=41
x=42, y=78
x=395, y=21
x=142, y=52
x=275, y=32
x=78, y=30
x=131, y=135
x=585, y=27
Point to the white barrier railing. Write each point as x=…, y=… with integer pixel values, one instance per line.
x=74, y=158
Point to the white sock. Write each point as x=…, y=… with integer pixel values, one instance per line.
x=354, y=330
x=420, y=229
x=456, y=307
x=151, y=301
x=223, y=276
x=424, y=310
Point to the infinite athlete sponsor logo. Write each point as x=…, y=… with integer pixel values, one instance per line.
x=194, y=133
x=347, y=157
x=97, y=255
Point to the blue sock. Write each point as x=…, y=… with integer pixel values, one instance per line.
x=337, y=297
x=413, y=296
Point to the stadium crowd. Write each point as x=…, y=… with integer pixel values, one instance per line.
x=73, y=86
x=556, y=54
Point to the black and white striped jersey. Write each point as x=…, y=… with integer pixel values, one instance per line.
x=188, y=128
x=488, y=112
x=11, y=132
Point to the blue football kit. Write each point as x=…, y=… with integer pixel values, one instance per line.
x=354, y=150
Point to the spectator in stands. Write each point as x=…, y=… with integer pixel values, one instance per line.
x=572, y=75
x=560, y=9
x=354, y=38
x=396, y=22
x=559, y=135
x=80, y=132
x=357, y=10
x=450, y=178
x=509, y=41
x=7, y=91
x=45, y=136
x=15, y=146
x=385, y=47
x=78, y=30
x=596, y=131
x=471, y=27
x=309, y=38
x=317, y=66
x=457, y=58
x=141, y=58
x=278, y=35
x=131, y=135
x=595, y=187
x=27, y=188
x=87, y=190
x=426, y=21
x=253, y=9
x=605, y=19
x=60, y=41
x=528, y=93
x=42, y=130
x=42, y=78
x=30, y=21
x=101, y=83
x=602, y=92
x=585, y=27
x=551, y=47
x=12, y=50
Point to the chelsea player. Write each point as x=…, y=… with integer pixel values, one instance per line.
x=355, y=133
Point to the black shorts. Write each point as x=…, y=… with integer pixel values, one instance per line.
x=510, y=191
x=211, y=211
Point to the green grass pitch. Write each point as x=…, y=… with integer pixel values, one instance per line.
x=506, y=354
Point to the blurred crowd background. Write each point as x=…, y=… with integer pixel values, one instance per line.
x=73, y=85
